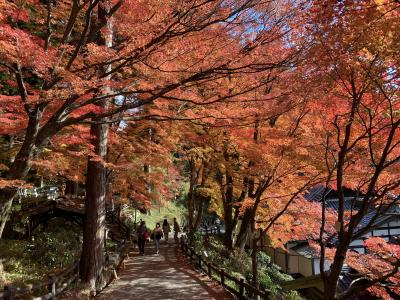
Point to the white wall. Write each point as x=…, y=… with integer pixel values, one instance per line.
x=280, y=259
x=305, y=266
x=395, y=231
x=293, y=264
x=357, y=243
x=327, y=264
x=380, y=232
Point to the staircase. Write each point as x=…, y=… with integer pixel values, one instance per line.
x=118, y=230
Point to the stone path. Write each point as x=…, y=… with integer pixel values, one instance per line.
x=164, y=276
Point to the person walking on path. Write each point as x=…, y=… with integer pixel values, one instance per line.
x=177, y=229
x=141, y=232
x=166, y=229
x=157, y=235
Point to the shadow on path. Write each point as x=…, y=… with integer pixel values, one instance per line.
x=162, y=276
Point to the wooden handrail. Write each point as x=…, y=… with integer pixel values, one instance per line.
x=241, y=286
x=55, y=285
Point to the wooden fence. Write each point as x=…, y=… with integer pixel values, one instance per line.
x=239, y=288
x=54, y=286
x=57, y=284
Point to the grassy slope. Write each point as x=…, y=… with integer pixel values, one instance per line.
x=26, y=262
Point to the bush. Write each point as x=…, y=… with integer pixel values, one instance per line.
x=49, y=252
x=238, y=264
x=56, y=248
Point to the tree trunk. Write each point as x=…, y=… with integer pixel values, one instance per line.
x=92, y=257
x=199, y=215
x=254, y=261
x=244, y=230
x=21, y=166
x=6, y=200
x=228, y=238
x=191, y=196
x=336, y=268
x=71, y=188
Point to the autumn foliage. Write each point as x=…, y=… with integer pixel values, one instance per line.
x=251, y=103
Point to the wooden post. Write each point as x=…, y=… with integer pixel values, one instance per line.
x=77, y=270
x=105, y=238
x=191, y=254
x=52, y=286
x=261, y=240
x=209, y=269
x=200, y=258
x=222, y=277
x=128, y=234
x=182, y=245
x=241, y=289
x=7, y=293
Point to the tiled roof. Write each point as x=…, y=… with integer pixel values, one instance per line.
x=305, y=250
x=316, y=193
x=350, y=203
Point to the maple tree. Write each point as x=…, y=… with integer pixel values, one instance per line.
x=354, y=60
x=274, y=170
x=142, y=169
x=259, y=100
x=159, y=53
x=95, y=62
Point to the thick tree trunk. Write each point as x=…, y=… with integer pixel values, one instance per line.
x=92, y=257
x=199, y=215
x=244, y=230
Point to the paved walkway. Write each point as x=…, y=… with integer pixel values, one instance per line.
x=162, y=276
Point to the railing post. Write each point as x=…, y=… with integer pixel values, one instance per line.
x=182, y=245
x=52, y=287
x=241, y=289
x=223, y=277
x=200, y=258
x=77, y=271
x=7, y=293
x=209, y=269
x=191, y=254
x=261, y=240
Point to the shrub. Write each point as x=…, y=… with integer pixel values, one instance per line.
x=238, y=264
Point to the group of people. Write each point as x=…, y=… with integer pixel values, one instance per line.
x=143, y=234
